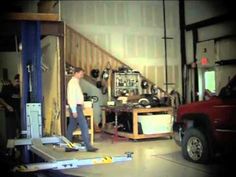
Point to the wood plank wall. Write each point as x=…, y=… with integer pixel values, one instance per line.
x=82, y=52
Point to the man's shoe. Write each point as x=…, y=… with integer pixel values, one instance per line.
x=67, y=149
x=92, y=149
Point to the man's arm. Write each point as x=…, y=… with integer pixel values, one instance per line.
x=71, y=96
x=9, y=108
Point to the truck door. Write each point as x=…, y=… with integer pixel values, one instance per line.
x=228, y=108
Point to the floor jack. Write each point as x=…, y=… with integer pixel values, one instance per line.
x=38, y=145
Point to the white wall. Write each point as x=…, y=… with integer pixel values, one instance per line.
x=132, y=31
x=199, y=10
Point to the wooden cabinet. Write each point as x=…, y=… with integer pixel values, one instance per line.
x=126, y=83
x=135, y=119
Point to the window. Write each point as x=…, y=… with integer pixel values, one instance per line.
x=209, y=78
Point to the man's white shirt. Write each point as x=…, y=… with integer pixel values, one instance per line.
x=74, y=94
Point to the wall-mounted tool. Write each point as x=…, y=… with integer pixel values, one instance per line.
x=144, y=84
x=154, y=89
x=105, y=74
x=95, y=73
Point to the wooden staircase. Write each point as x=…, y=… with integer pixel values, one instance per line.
x=82, y=52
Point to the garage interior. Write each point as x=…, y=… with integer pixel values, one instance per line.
x=146, y=63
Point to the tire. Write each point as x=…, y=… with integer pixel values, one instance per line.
x=195, y=146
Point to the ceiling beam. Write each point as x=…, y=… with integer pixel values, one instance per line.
x=11, y=28
x=32, y=16
x=210, y=21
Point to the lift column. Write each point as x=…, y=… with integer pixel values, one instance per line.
x=31, y=72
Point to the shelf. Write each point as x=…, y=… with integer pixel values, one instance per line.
x=139, y=136
x=132, y=73
x=129, y=87
x=135, y=113
x=123, y=82
x=78, y=131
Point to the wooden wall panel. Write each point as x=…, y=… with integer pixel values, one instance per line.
x=88, y=55
x=99, y=59
x=83, y=54
x=94, y=58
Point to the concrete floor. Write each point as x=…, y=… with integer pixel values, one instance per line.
x=152, y=158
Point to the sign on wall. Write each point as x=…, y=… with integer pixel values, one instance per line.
x=206, y=54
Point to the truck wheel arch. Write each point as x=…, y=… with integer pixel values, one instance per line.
x=202, y=123
x=199, y=120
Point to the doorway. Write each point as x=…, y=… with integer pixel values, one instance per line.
x=207, y=82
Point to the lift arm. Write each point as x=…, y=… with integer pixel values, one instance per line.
x=72, y=163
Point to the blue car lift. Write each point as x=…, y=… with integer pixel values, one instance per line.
x=31, y=122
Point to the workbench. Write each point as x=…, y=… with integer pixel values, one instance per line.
x=135, y=114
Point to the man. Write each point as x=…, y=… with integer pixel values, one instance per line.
x=16, y=101
x=12, y=108
x=75, y=100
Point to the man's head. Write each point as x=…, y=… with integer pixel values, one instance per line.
x=78, y=72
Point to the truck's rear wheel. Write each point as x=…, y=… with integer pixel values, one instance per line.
x=195, y=146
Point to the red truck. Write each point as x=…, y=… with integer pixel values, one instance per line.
x=202, y=128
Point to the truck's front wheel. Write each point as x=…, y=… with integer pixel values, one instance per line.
x=194, y=146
